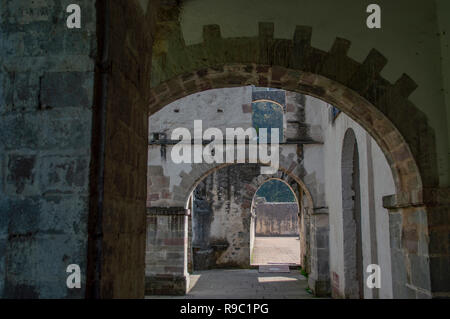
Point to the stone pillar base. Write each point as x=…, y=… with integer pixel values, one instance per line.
x=320, y=288
x=166, y=284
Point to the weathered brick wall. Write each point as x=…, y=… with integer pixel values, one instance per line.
x=50, y=80
x=221, y=218
x=46, y=101
x=319, y=278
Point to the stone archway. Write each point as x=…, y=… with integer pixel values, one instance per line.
x=111, y=79
x=293, y=65
x=407, y=176
x=290, y=179
x=355, y=88
x=297, y=193
x=170, y=276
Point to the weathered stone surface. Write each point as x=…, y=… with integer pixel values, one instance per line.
x=63, y=89
x=35, y=41
x=21, y=173
x=42, y=228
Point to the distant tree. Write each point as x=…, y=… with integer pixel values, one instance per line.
x=276, y=191
x=266, y=114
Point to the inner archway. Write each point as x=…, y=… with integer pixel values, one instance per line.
x=291, y=158
x=408, y=194
x=274, y=228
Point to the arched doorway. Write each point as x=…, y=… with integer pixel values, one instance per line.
x=351, y=209
x=275, y=226
x=356, y=88
x=218, y=239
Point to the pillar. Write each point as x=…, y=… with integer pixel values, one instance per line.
x=166, y=251
x=319, y=277
x=419, y=238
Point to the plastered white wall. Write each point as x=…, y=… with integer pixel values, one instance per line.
x=333, y=134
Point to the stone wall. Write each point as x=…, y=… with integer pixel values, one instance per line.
x=46, y=107
x=165, y=259
x=118, y=210
x=375, y=182
x=168, y=183
x=276, y=219
x=53, y=124
x=221, y=218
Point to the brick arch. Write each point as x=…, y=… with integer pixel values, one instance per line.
x=283, y=173
x=294, y=65
x=272, y=178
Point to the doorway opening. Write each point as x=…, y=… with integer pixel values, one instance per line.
x=351, y=212
x=275, y=226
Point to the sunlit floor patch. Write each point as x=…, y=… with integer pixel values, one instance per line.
x=276, y=279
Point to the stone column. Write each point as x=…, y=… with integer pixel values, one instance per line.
x=419, y=235
x=166, y=251
x=409, y=252
x=319, y=277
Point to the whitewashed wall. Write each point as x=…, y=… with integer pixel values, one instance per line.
x=382, y=181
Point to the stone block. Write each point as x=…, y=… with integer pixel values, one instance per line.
x=21, y=131
x=155, y=171
x=63, y=174
x=395, y=222
x=26, y=91
x=440, y=275
x=21, y=174
x=4, y=215
x=398, y=274
x=320, y=288
x=67, y=89
x=420, y=271
x=63, y=215
x=166, y=285
x=6, y=91
x=23, y=216
x=246, y=108
x=37, y=264
x=69, y=129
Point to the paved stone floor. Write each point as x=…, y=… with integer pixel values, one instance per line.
x=276, y=250
x=245, y=284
